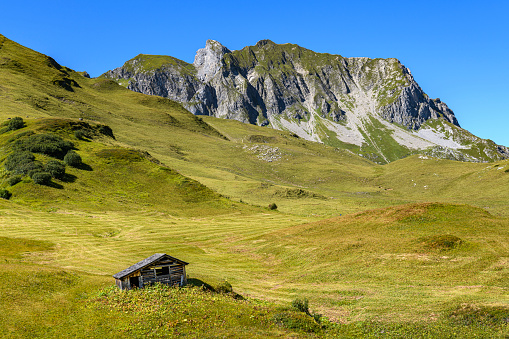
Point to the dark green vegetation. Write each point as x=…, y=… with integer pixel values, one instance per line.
x=15, y=123
x=73, y=159
x=420, y=249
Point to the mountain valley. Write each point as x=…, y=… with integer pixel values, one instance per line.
x=377, y=225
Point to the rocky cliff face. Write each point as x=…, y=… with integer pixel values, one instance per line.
x=370, y=104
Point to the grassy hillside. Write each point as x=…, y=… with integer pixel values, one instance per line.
x=411, y=254
x=415, y=248
x=110, y=177
x=423, y=178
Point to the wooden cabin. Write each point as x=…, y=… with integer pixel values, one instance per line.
x=159, y=267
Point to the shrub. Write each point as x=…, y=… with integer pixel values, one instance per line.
x=35, y=167
x=81, y=134
x=32, y=168
x=301, y=305
x=317, y=317
x=15, y=123
x=48, y=144
x=22, y=163
x=18, y=160
x=41, y=178
x=55, y=168
x=14, y=180
x=272, y=206
x=20, y=135
x=73, y=159
x=5, y=194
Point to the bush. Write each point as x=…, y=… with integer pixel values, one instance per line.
x=301, y=305
x=33, y=167
x=23, y=163
x=15, y=123
x=48, y=144
x=81, y=134
x=20, y=136
x=18, y=160
x=317, y=317
x=41, y=178
x=73, y=159
x=272, y=206
x=14, y=180
x=55, y=168
x=5, y=194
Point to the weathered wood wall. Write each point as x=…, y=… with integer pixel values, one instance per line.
x=164, y=271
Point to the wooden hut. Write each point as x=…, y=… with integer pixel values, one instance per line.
x=159, y=267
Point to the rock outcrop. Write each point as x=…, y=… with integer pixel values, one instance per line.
x=321, y=97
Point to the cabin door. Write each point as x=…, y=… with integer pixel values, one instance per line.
x=134, y=282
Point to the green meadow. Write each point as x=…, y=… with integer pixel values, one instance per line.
x=415, y=248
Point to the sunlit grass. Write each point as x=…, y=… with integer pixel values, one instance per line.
x=361, y=241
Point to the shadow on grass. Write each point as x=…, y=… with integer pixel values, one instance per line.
x=199, y=283
x=84, y=167
x=54, y=185
x=207, y=287
x=68, y=178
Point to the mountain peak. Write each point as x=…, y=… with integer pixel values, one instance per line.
x=373, y=105
x=208, y=60
x=265, y=42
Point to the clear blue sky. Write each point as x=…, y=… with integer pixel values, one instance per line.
x=456, y=50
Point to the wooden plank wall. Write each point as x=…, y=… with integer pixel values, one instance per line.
x=176, y=276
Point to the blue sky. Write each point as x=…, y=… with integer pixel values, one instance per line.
x=455, y=50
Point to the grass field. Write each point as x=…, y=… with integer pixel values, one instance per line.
x=415, y=248
x=390, y=268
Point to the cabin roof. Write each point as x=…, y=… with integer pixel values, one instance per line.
x=145, y=263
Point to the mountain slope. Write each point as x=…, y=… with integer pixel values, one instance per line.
x=254, y=164
x=372, y=106
x=111, y=177
x=60, y=244
x=35, y=85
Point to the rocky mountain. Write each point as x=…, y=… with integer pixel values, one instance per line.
x=373, y=107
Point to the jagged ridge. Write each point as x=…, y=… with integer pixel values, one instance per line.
x=321, y=97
